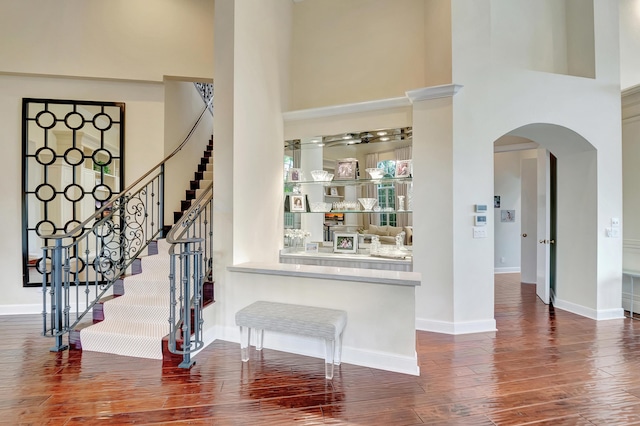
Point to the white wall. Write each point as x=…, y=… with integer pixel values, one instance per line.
x=629, y=43
x=108, y=51
x=631, y=175
x=546, y=35
x=251, y=72
x=117, y=39
x=183, y=104
x=359, y=50
x=144, y=132
x=495, y=100
x=508, y=185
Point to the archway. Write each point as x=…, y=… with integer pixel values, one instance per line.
x=575, y=221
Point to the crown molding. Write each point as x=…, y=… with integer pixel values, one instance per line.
x=305, y=114
x=425, y=93
x=433, y=92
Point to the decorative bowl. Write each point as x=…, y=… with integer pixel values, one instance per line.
x=319, y=206
x=375, y=173
x=368, y=203
x=319, y=175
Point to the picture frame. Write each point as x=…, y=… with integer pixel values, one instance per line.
x=311, y=247
x=496, y=201
x=346, y=169
x=403, y=168
x=297, y=203
x=507, y=215
x=333, y=191
x=295, y=175
x=345, y=242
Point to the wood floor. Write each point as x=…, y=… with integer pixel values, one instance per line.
x=541, y=367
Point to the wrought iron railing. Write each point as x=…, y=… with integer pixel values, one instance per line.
x=81, y=266
x=191, y=266
x=206, y=92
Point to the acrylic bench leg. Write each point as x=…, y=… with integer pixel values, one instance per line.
x=259, y=338
x=245, y=335
x=338, y=358
x=328, y=361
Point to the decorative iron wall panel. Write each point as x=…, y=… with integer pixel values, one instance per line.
x=73, y=162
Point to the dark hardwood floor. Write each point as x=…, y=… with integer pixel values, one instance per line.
x=541, y=367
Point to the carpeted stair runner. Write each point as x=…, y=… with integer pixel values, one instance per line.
x=135, y=323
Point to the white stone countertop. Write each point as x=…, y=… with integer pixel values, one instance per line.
x=374, y=276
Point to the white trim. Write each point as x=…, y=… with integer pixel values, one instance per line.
x=315, y=348
x=335, y=110
x=21, y=309
x=631, y=90
x=515, y=147
x=602, y=314
x=631, y=118
x=433, y=92
x=447, y=327
x=632, y=244
x=507, y=270
x=411, y=96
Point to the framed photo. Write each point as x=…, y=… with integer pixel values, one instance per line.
x=345, y=242
x=507, y=215
x=346, y=168
x=297, y=203
x=295, y=175
x=403, y=168
x=333, y=191
x=496, y=201
x=311, y=247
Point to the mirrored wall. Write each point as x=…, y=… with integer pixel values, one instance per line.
x=357, y=181
x=72, y=163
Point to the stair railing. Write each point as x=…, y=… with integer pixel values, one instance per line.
x=191, y=264
x=80, y=266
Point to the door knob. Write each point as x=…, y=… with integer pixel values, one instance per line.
x=552, y=242
x=524, y=235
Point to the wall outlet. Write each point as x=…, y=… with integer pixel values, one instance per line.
x=615, y=221
x=502, y=259
x=479, y=232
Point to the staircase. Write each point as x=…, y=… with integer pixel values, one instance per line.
x=134, y=321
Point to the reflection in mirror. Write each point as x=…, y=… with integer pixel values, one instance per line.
x=375, y=155
x=72, y=163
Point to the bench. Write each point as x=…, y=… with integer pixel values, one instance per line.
x=311, y=321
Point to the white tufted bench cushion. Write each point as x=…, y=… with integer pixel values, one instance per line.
x=311, y=321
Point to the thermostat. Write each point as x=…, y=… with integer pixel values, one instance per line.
x=481, y=208
x=481, y=220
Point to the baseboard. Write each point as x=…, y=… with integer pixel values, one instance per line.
x=507, y=270
x=21, y=309
x=447, y=327
x=602, y=314
x=30, y=309
x=315, y=348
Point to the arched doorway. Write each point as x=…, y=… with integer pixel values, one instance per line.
x=557, y=220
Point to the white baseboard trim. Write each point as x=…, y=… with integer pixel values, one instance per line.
x=315, y=348
x=507, y=270
x=447, y=327
x=21, y=309
x=602, y=314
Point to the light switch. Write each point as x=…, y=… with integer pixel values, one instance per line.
x=613, y=232
x=479, y=232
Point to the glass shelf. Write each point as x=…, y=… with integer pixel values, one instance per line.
x=363, y=211
x=352, y=182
